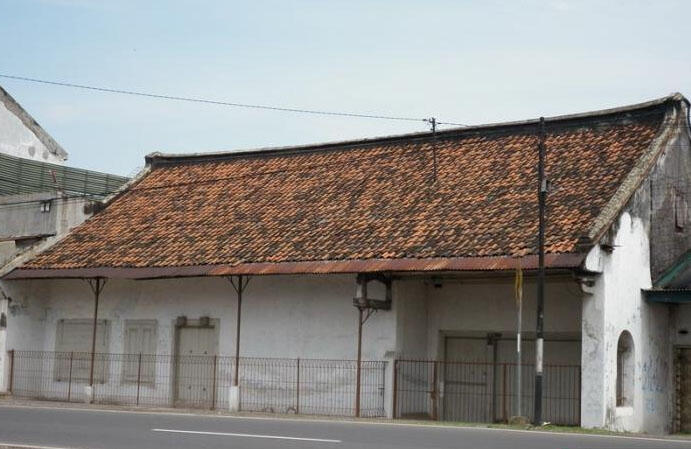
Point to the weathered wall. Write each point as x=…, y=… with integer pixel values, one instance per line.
x=476, y=307
x=22, y=224
x=282, y=316
x=411, y=320
x=615, y=305
x=645, y=240
x=19, y=140
x=670, y=183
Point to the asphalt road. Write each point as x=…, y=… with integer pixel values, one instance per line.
x=88, y=428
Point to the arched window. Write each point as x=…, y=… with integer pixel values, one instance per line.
x=625, y=370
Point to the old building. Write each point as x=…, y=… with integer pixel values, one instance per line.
x=23, y=137
x=426, y=232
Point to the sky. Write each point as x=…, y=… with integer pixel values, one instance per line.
x=460, y=61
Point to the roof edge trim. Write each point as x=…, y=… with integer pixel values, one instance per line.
x=495, y=263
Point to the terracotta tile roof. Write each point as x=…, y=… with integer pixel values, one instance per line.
x=376, y=199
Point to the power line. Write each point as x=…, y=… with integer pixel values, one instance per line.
x=294, y=169
x=224, y=103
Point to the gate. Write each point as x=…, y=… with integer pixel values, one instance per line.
x=482, y=392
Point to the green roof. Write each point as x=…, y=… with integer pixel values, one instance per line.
x=19, y=175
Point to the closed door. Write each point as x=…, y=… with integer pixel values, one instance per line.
x=467, y=380
x=684, y=361
x=195, y=367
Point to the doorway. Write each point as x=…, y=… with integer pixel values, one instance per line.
x=197, y=344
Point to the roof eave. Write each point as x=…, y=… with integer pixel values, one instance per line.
x=461, y=264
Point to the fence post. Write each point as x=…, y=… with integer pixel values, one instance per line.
x=503, y=396
x=297, y=389
x=213, y=388
x=357, y=388
x=139, y=376
x=395, y=389
x=69, y=384
x=434, y=391
x=578, y=397
x=11, y=371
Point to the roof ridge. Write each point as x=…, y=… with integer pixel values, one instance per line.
x=158, y=156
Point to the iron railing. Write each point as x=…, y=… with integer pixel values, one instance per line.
x=422, y=389
x=306, y=386
x=483, y=392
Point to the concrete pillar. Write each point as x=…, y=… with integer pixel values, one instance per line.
x=390, y=359
x=234, y=399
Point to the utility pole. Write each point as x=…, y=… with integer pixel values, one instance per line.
x=539, y=340
x=519, y=331
x=433, y=125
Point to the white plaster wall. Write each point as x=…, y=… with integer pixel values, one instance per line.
x=617, y=304
x=18, y=140
x=488, y=305
x=282, y=316
x=411, y=320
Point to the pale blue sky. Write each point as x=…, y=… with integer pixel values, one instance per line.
x=472, y=62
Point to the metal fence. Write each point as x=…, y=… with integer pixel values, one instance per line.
x=483, y=392
x=306, y=386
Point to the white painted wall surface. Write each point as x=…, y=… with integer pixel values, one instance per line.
x=18, y=140
x=475, y=307
x=617, y=304
x=282, y=316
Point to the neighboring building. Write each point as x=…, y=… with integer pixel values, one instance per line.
x=21, y=136
x=40, y=202
x=431, y=225
x=41, y=199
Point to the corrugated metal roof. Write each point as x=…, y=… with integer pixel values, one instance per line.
x=19, y=175
x=433, y=264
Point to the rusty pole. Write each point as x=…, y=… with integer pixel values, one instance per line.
x=237, y=333
x=362, y=296
x=358, y=371
x=434, y=393
x=11, y=370
x=395, y=388
x=213, y=390
x=297, y=388
x=139, y=375
x=96, y=286
x=69, y=385
x=239, y=288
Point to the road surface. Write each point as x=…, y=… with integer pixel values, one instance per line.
x=105, y=429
